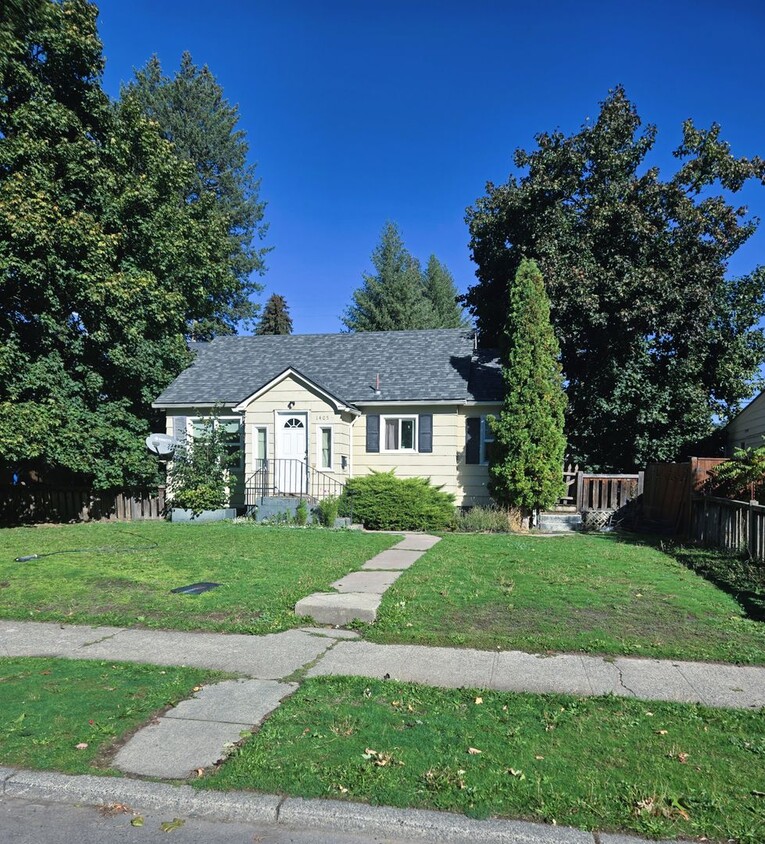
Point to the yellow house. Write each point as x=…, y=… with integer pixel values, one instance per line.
x=305, y=413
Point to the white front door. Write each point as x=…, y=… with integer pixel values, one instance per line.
x=291, y=453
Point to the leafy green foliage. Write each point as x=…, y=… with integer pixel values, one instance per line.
x=275, y=318
x=655, y=339
x=327, y=510
x=526, y=464
x=439, y=289
x=201, y=124
x=198, y=474
x=301, y=513
x=481, y=520
x=657, y=769
x=742, y=477
x=381, y=501
x=106, y=261
x=399, y=296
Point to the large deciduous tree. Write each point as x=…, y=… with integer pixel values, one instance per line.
x=202, y=125
x=526, y=462
x=275, y=318
x=655, y=339
x=105, y=267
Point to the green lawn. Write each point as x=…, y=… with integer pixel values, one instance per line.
x=125, y=577
x=599, y=594
x=48, y=707
x=656, y=769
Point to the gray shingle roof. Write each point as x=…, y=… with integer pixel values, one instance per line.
x=418, y=366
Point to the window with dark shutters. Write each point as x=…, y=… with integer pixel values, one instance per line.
x=425, y=435
x=373, y=433
x=473, y=439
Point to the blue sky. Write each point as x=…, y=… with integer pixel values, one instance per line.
x=362, y=112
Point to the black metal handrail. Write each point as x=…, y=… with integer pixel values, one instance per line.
x=289, y=478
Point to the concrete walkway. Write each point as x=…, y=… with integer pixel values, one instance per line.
x=359, y=594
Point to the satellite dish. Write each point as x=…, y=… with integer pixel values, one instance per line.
x=160, y=444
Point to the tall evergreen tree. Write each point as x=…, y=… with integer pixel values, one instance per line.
x=655, y=339
x=392, y=299
x=103, y=265
x=202, y=125
x=275, y=318
x=439, y=289
x=526, y=465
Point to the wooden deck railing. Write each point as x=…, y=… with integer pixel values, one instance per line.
x=606, y=492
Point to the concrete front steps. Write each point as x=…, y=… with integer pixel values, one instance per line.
x=359, y=594
x=560, y=522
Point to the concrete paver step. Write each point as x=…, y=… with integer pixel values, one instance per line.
x=197, y=732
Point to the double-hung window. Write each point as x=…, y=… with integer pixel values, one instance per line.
x=487, y=440
x=399, y=433
x=325, y=448
x=230, y=430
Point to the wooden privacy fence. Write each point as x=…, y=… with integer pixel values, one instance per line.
x=606, y=492
x=733, y=526
x=668, y=490
x=33, y=504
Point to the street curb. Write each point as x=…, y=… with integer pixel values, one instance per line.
x=421, y=823
x=294, y=812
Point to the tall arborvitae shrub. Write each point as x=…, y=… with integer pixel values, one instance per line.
x=526, y=460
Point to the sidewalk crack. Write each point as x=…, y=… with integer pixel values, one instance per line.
x=102, y=639
x=279, y=809
x=621, y=681
x=698, y=694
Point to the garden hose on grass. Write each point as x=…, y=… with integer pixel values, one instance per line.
x=104, y=549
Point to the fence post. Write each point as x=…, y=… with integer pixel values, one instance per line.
x=641, y=480
x=750, y=543
x=579, y=491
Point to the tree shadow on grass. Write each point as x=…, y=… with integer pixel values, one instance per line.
x=739, y=576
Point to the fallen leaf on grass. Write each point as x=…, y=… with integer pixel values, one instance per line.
x=661, y=732
x=479, y=700
x=474, y=751
x=517, y=774
x=81, y=746
x=175, y=823
x=539, y=757
x=380, y=759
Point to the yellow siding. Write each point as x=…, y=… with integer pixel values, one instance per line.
x=445, y=466
x=748, y=428
x=264, y=411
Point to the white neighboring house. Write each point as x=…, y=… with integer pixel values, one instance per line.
x=747, y=429
x=306, y=412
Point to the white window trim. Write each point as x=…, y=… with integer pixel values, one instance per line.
x=256, y=433
x=398, y=418
x=319, y=463
x=484, y=439
x=239, y=465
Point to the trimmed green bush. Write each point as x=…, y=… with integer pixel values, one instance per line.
x=381, y=501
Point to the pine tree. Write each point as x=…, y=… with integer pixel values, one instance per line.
x=526, y=466
x=275, y=318
x=393, y=298
x=202, y=125
x=441, y=292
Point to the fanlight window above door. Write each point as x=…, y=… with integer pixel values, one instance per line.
x=294, y=423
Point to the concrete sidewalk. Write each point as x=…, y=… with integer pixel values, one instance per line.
x=318, y=651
